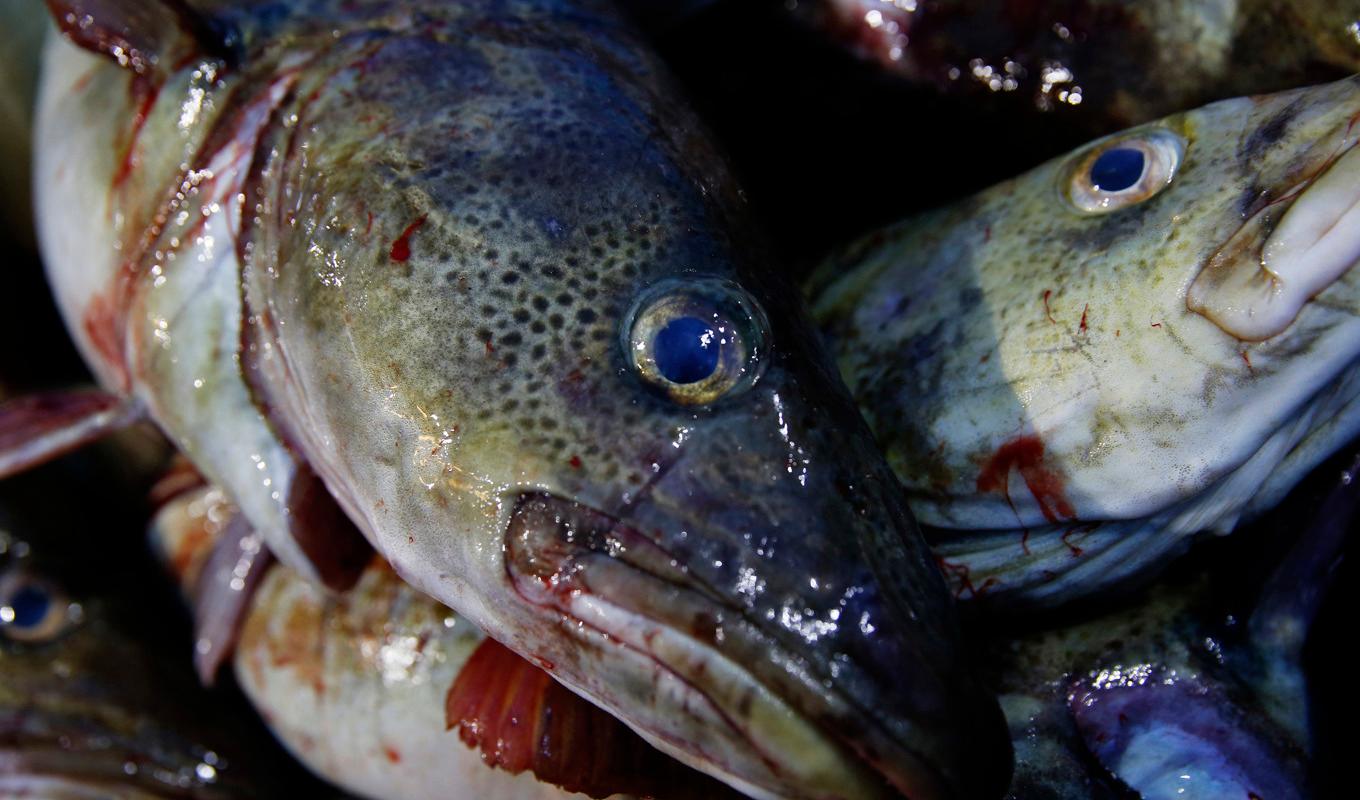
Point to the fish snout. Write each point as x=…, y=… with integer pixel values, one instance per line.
x=805, y=617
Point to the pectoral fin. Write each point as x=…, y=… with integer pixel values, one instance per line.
x=40, y=427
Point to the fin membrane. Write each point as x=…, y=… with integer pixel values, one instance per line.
x=40, y=427
x=521, y=719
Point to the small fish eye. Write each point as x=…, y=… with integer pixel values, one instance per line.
x=696, y=341
x=1124, y=171
x=32, y=610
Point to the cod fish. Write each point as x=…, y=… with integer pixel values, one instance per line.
x=465, y=282
x=1107, y=63
x=374, y=689
x=72, y=723
x=1079, y=370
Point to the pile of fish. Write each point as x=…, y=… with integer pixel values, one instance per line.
x=513, y=460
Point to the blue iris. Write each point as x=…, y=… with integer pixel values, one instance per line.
x=686, y=350
x=1117, y=169
x=30, y=605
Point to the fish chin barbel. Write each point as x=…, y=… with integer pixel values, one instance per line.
x=475, y=268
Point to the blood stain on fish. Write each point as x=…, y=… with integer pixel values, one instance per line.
x=1047, y=311
x=401, y=247
x=1025, y=454
x=1082, y=327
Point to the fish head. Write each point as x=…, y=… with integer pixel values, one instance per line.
x=1102, y=340
x=71, y=722
x=508, y=307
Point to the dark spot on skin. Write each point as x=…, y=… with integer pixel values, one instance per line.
x=1265, y=136
x=585, y=316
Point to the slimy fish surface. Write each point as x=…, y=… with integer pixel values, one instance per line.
x=1075, y=372
x=467, y=284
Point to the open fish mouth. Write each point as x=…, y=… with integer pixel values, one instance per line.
x=1302, y=235
x=64, y=764
x=724, y=696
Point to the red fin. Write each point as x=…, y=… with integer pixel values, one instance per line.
x=223, y=592
x=40, y=427
x=521, y=719
x=146, y=36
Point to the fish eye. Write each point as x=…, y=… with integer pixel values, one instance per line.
x=32, y=610
x=1124, y=171
x=695, y=341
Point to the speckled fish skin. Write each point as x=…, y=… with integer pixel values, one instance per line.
x=72, y=724
x=449, y=210
x=1062, y=420
x=1107, y=63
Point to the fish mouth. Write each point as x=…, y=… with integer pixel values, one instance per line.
x=1299, y=238
x=722, y=695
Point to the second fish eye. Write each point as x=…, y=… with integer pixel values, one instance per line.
x=1124, y=171
x=32, y=610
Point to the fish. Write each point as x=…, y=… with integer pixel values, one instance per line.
x=387, y=693
x=1077, y=372
x=1195, y=687
x=1101, y=64
x=467, y=284
x=72, y=724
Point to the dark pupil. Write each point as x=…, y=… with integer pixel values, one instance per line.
x=686, y=350
x=1118, y=169
x=30, y=607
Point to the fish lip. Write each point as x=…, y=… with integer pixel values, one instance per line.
x=1241, y=286
x=566, y=593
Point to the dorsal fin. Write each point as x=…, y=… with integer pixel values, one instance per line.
x=145, y=36
x=37, y=428
x=521, y=719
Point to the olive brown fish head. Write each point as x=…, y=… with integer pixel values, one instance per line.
x=1152, y=337
x=503, y=300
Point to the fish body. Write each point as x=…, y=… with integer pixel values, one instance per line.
x=1096, y=376
x=468, y=278
x=1107, y=63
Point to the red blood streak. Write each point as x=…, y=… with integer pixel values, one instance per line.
x=1082, y=327
x=1246, y=359
x=1026, y=454
x=1048, y=313
x=148, y=92
x=575, y=461
x=401, y=248
x=960, y=574
x=1156, y=324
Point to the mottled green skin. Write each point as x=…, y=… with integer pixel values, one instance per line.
x=1042, y=389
